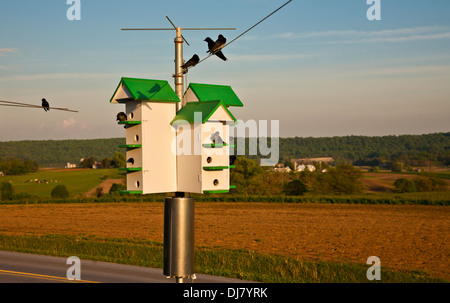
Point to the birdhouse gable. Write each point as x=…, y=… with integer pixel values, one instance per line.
x=208, y=92
x=206, y=111
x=143, y=90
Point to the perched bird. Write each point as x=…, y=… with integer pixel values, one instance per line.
x=221, y=55
x=218, y=45
x=190, y=63
x=45, y=105
x=210, y=42
x=216, y=139
x=121, y=117
x=215, y=47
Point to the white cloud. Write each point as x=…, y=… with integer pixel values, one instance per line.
x=69, y=76
x=423, y=71
x=72, y=123
x=356, y=36
x=57, y=76
x=7, y=50
x=270, y=57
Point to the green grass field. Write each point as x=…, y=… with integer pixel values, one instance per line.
x=77, y=181
x=240, y=264
x=80, y=181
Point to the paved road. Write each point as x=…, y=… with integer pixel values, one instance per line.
x=31, y=268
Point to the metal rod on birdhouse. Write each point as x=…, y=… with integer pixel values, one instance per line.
x=179, y=85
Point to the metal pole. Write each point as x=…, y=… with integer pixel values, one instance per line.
x=179, y=210
x=179, y=85
x=179, y=238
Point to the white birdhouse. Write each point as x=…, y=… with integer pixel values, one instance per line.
x=166, y=151
x=203, y=145
x=150, y=107
x=207, y=169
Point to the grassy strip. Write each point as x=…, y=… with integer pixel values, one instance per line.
x=437, y=199
x=239, y=264
x=442, y=175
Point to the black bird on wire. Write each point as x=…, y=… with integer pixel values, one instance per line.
x=121, y=117
x=45, y=105
x=215, y=48
x=190, y=63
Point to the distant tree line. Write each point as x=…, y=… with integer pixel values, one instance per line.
x=252, y=179
x=408, y=150
x=56, y=153
x=419, y=184
x=14, y=166
x=118, y=160
x=343, y=179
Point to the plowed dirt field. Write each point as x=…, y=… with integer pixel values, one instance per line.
x=403, y=237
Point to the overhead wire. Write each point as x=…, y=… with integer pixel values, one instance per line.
x=20, y=104
x=247, y=30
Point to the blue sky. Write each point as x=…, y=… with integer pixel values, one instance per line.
x=320, y=67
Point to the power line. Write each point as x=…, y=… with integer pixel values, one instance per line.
x=248, y=30
x=19, y=104
x=257, y=23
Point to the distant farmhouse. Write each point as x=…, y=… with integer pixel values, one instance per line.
x=281, y=168
x=70, y=165
x=308, y=163
x=303, y=167
x=303, y=164
x=327, y=160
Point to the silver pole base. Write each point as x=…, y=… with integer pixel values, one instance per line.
x=179, y=238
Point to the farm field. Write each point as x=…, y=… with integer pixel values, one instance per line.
x=404, y=237
x=81, y=182
x=383, y=182
x=77, y=181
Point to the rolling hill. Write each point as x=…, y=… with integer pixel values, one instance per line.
x=414, y=150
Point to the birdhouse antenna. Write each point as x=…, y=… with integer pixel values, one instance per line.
x=179, y=39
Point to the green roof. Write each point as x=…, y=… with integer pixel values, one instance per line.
x=206, y=108
x=208, y=92
x=147, y=90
